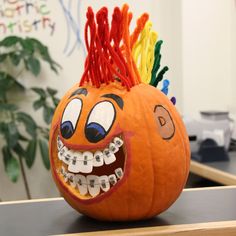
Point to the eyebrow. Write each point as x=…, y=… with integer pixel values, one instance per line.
x=78, y=91
x=116, y=98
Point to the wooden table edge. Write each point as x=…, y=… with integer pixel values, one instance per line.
x=31, y=201
x=210, y=229
x=212, y=173
x=60, y=198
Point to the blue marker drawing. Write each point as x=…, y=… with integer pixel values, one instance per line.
x=73, y=39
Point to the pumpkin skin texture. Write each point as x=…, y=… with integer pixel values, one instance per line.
x=156, y=152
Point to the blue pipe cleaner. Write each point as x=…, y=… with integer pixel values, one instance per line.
x=165, y=86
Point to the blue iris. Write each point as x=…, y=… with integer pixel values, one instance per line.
x=94, y=132
x=67, y=129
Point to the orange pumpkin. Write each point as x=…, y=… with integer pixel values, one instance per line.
x=116, y=153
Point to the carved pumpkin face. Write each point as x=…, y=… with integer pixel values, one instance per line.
x=118, y=148
x=116, y=151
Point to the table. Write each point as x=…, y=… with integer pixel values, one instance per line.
x=205, y=211
x=223, y=172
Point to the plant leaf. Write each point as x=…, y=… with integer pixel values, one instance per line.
x=55, y=101
x=8, y=107
x=38, y=104
x=3, y=57
x=43, y=145
x=31, y=153
x=19, y=85
x=37, y=44
x=51, y=91
x=3, y=127
x=19, y=150
x=11, y=134
x=7, y=82
x=9, y=41
x=48, y=114
x=15, y=58
x=33, y=65
x=27, y=45
x=11, y=164
x=40, y=92
x=28, y=122
x=23, y=138
x=43, y=50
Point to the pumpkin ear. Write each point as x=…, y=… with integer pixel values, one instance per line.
x=165, y=124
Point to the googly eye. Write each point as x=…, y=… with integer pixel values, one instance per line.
x=100, y=121
x=70, y=118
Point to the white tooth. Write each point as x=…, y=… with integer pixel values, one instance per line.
x=108, y=156
x=74, y=164
x=81, y=184
x=62, y=152
x=71, y=178
x=104, y=183
x=98, y=159
x=67, y=156
x=93, y=185
x=118, y=142
x=113, y=148
x=59, y=143
x=112, y=179
x=65, y=176
x=86, y=162
x=119, y=173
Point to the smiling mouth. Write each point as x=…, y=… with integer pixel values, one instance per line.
x=94, y=172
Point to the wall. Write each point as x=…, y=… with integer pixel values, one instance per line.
x=207, y=55
x=168, y=18
x=233, y=58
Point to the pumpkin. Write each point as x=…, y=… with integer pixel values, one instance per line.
x=118, y=147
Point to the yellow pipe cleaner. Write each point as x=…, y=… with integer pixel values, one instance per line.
x=143, y=52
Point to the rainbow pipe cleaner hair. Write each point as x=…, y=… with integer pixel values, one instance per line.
x=116, y=54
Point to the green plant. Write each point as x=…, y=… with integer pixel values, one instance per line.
x=21, y=134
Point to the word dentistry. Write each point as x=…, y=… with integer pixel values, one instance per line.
x=17, y=16
x=27, y=26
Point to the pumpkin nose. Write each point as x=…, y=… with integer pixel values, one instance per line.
x=94, y=132
x=67, y=129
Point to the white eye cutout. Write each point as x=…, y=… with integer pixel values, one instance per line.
x=103, y=114
x=72, y=112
